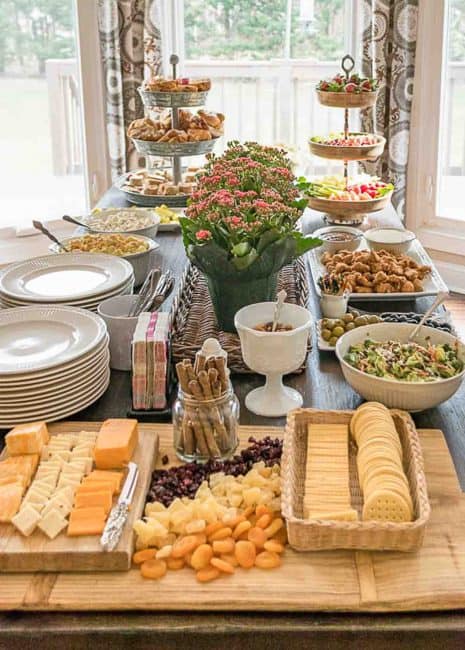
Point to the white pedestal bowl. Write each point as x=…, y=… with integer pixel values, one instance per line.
x=273, y=354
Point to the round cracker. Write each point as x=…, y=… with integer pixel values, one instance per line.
x=386, y=505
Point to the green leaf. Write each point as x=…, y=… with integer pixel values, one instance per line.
x=242, y=263
x=266, y=239
x=305, y=243
x=242, y=249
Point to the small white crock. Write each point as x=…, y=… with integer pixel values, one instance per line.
x=273, y=354
x=334, y=306
x=120, y=326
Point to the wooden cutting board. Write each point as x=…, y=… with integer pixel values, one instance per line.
x=38, y=553
x=431, y=579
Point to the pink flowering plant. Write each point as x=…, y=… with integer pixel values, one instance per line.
x=243, y=215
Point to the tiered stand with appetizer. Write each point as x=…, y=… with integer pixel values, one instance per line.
x=348, y=203
x=173, y=136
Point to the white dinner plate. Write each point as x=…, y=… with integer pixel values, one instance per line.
x=60, y=396
x=432, y=284
x=35, y=338
x=28, y=394
x=65, y=277
x=62, y=372
x=61, y=410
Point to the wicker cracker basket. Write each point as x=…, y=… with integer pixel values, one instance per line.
x=318, y=535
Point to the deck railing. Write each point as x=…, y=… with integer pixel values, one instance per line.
x=269, y=101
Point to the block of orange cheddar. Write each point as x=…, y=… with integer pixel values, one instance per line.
x=27, y=438
x=105, y=475
x=86, y=521
x=10, y=500
x=115, y=443
x=101, y=498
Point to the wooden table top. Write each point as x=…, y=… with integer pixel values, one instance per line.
x=322, y=386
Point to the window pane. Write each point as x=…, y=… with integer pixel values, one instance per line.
x=452, y=140
x=264, y=58
x=41, y=165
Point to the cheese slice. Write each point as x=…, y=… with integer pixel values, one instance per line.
x=116, y=442
x=105, y=475
x=94, y=499
x=10, y=500
x=86, y=527
x=27, y=438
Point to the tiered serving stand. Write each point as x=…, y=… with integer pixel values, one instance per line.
x=347, y=212
x=171, y=150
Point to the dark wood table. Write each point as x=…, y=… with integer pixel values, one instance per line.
x=322, y=386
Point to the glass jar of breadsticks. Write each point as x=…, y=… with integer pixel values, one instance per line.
x=206, y=412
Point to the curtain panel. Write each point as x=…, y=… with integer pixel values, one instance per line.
x=389, y=42
x=131, y=49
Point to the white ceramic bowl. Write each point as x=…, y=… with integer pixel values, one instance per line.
x=335, y=246
x=395, y=240
x=399, y=394
x=273, y=354
x=147, y=231
x=140, y=261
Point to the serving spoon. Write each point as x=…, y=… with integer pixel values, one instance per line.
x=282, y=295
x=439, y=300
x=40, y=226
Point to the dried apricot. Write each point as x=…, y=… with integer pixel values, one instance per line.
x=273, y=528
x=201, y=557
x=143, y=556
x=212, y=528
x=175, y=564
x=262, y=509
x=231, y=558
x=184, y=545
x=201, y=538
x=153, y=569
x=257, y=536
x=223, y=545
x=248, y=511
x=273, y=546
x=207, y=574
x=232, y=522
x=267, y=560
x=245, y=554
x=222, y=533
x=242, y=527
x=164, y=552
x=223, y=566
x=263, y=521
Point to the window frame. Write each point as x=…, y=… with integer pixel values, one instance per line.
x=435, y=232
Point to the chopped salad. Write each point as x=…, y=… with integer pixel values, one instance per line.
x=405, y=361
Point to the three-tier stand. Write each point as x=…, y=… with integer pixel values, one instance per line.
x=347, y=212
x=169, y=150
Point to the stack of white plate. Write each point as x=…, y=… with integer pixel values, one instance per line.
x=54, y=361
x=77, y=279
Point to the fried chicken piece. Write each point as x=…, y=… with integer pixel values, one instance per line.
x=407, y=287
x=383, y=287
x=418, y=286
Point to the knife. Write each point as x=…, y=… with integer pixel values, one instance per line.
x=117, y=519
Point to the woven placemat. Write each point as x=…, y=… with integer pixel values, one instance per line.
x=193, y=318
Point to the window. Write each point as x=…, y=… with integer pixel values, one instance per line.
x=436, y=175
x=264, y=58
x=46, y=168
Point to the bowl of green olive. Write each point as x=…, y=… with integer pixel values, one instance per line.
x=331, y=329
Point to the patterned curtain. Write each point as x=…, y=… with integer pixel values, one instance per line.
x=131, y=49
x=389, y=41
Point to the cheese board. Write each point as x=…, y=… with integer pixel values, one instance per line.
x=360, y=581
x=84, y=553
x=432, y=284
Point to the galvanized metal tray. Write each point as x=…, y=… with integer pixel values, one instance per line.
x=150, y=148
x=150, y=200
x=172, y=100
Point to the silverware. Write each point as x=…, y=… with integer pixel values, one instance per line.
x=282, y=295
x=439, y=300
x=144, y=291
x=150, y=293
x=66, y=217
x=40, y=226
x=117, y=519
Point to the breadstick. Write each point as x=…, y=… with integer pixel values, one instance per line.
x=211, y=363
x=209, y=434
x=195, y=390
x=200, y=363
x=212, y=376
x=188, y=436
x=203, y=381
x=189, y=369
x=182, y=377
x=221, y=367
x=216, y=388
x=202, y=446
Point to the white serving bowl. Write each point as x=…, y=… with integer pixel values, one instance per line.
x=273, y=354
x=394, y=240
x=141, y=262
x=404, y=395
x=335, y=246
x=147, y=231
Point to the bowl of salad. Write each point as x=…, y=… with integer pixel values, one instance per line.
x=355, y=92
x=354, y=146
x=381, y=364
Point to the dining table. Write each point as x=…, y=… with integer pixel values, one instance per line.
x=322, y=386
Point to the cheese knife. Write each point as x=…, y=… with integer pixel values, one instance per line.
x=117, y=519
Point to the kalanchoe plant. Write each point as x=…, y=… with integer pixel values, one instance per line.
x=244, y=212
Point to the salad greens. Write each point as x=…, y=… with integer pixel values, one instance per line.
x=405, y=361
